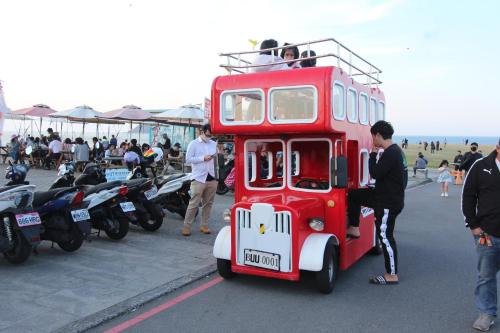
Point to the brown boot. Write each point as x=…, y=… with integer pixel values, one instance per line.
x=205, y=230
x=186, y=231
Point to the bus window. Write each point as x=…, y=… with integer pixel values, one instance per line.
x=381, y=111
x=315, y=174
x=352, y=107
x=373, y=111
x=364, y=172
x=338, y=101
x=293, y=104
x=363, y=109
x=262, y=164
x=243, y=107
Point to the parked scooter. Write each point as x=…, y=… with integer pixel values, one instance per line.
x=19, y=224
x=107, y=203
x=173, y=190
x=64, y=217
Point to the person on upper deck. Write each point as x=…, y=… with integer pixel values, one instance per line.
x=268, y=58
x=308, y=62
x=291, y=53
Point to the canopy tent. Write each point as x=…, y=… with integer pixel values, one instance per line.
x=187, y=115
x=84, y=114
x=37, y=110
x=128, y=113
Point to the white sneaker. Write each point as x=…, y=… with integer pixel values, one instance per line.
x=442, y=194
x=446, y=194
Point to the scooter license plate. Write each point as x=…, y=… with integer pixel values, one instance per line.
x=150, y=194
x=127, y=206
x=80, y=215
x=27, y=219
x=262, y=259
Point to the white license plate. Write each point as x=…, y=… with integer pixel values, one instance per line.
x=127, y=206
x=80, y=215
x=27, y=219
x=150, y=194
x=262, y=259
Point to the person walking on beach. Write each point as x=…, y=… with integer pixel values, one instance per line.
x=480, y=198
x=387, y=198
x=470, y=157
x=199, y=154
x=444, y=177
x=426, y=144
x=437, y=145
x=433, y=147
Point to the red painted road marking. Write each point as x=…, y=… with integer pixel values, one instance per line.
x=165, y=306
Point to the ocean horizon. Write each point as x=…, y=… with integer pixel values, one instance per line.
x=412, y=139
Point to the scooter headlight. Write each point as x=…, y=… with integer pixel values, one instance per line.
x=317, y=224
x=226, y=215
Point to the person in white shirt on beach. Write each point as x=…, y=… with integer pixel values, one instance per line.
x=200, y=154
x=268, y=58
x=55, y=148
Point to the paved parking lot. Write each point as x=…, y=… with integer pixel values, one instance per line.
x=55, y=288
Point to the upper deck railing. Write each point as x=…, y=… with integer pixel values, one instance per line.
x=355, y=64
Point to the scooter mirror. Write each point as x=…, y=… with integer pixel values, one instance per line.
x=29, y=150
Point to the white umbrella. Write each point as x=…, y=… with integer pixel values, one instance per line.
x=84, y=114
x=185, y=115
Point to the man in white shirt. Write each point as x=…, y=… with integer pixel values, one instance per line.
x=55, y=148
x=266, y=58
x=200, y=154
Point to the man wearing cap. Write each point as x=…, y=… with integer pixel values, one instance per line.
x=470, y=157
x=481, y=209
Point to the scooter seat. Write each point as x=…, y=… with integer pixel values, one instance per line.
x=163, y=180
x=42, y=197
x=90, y=189
x=135, y=183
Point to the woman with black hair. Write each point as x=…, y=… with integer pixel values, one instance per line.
x=268, y=57
x=308, y=62
x=291, y=53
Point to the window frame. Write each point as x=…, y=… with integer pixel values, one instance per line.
x=355, y=120
x=364, y=95
x=289, y=165
x=364, y=179
x=373, y=121
x=291, y=121
x=254, y=165
x=344, y=101
x=381, y=103
x=240, y=123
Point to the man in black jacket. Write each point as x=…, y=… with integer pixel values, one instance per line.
x=387, y=198
x=481, y=209
x=470, y=157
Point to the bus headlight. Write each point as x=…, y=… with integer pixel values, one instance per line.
x=226, y=215
x=317, y=224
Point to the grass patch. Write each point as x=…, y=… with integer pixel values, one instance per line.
x=447, y=153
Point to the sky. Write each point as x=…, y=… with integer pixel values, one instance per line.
x=440, y=59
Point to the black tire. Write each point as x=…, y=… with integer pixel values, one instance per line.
x=224, y=269
x=21, y=250
x=377, y=249
x=156, y=219
x=123, y=226
x=74, y=244
x=326, y=278
x=221, y=188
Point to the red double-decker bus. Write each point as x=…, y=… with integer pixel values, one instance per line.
x=301, y=140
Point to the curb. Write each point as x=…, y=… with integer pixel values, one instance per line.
x=419, y=183
x=131, y=304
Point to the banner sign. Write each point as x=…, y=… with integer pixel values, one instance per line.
x=116, y=174
x=207, y=104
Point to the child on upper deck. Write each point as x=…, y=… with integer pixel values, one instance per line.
x=266, y=57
